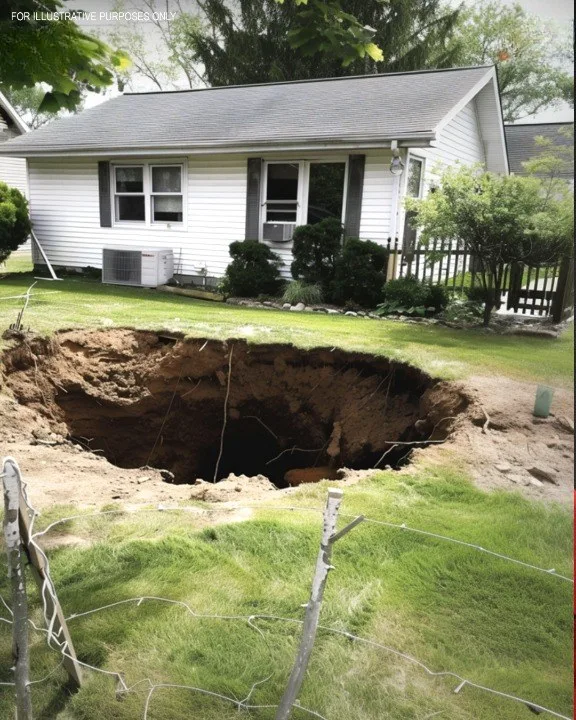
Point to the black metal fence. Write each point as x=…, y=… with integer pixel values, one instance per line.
x=539, y=290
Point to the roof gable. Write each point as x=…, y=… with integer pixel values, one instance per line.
x=9, y=117
x=408, y=107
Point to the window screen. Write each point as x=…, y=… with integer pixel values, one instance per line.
x=282, y=192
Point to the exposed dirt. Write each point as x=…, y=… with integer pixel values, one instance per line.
x=94, y=416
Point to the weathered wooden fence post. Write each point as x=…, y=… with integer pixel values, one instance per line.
x=323, y=566
x=563, y=299
x=20, y=649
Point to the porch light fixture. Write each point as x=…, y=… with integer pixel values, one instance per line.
x=397, y=164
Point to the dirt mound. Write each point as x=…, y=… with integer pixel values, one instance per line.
x=207, y=409
x=231, y=488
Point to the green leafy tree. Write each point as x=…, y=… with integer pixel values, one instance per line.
x=502, y=220
x=15, y=224
x=168, y=60
x=57, y=53
x=531, y=56
x=254, y=41
x=553, y=159
x=323, y=26
x=27, y=101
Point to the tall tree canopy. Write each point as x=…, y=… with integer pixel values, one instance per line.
x=253, y=41
x=55, y=52
x=532, y=57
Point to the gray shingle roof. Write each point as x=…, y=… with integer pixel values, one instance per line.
x=521, y=141
x=372, y=107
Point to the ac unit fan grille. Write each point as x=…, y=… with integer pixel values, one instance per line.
x=122, y=267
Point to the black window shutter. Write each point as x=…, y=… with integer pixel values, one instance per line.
x=104, y=190
x=253, y=198
x=356, y=165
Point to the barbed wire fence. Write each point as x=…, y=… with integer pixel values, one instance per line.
x=58, y=638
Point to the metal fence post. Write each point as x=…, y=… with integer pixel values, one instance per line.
x=20, y=649
x=323, y=566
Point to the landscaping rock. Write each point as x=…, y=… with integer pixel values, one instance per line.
x=351, y=313
x=531, y=331
x=331, y=311
x=286, y=306
x=542, y=473
x=298, y=308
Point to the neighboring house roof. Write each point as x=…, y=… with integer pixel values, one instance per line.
x=522, y=146
x=366, y=110
x=11, y=124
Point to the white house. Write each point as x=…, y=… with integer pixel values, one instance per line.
x=12, y=169
x=193, y=171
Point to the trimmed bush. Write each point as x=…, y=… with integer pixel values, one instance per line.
x=300, y=292
x=15, y=224
x=409, y=295
x=438, y=297
x=315, y=249
x=360, y=273
x=254, y=270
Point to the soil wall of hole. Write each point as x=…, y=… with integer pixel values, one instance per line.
x=143, y=398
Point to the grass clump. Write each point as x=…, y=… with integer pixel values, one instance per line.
x=299, y=291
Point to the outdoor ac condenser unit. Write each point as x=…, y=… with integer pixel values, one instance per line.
x=145, y=268
x=278, y=232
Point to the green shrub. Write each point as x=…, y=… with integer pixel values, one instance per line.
x=411, y=296
x=438, y=297
x=476, y=294
x=405, y=292
x=315, y=249
x=300, y=292
x=360, y=273
x=254, y=270
x=15, y=224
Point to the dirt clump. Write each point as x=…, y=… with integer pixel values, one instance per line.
x=232, y=488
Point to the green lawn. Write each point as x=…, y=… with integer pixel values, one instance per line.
x=441, y=351
x=490, y=621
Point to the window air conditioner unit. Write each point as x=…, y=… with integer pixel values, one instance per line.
x=144, y=268
x=278, y=232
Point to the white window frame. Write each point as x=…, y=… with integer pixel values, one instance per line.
x=116, y=194
x=303, y=189
x=148, y=221
x=422, y=160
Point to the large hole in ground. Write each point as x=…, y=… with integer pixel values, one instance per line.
x=146, y=399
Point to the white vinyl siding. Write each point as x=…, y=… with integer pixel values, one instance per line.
x=13, y=172
x=459, y=142
x=377, y=198
x=65, y=211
